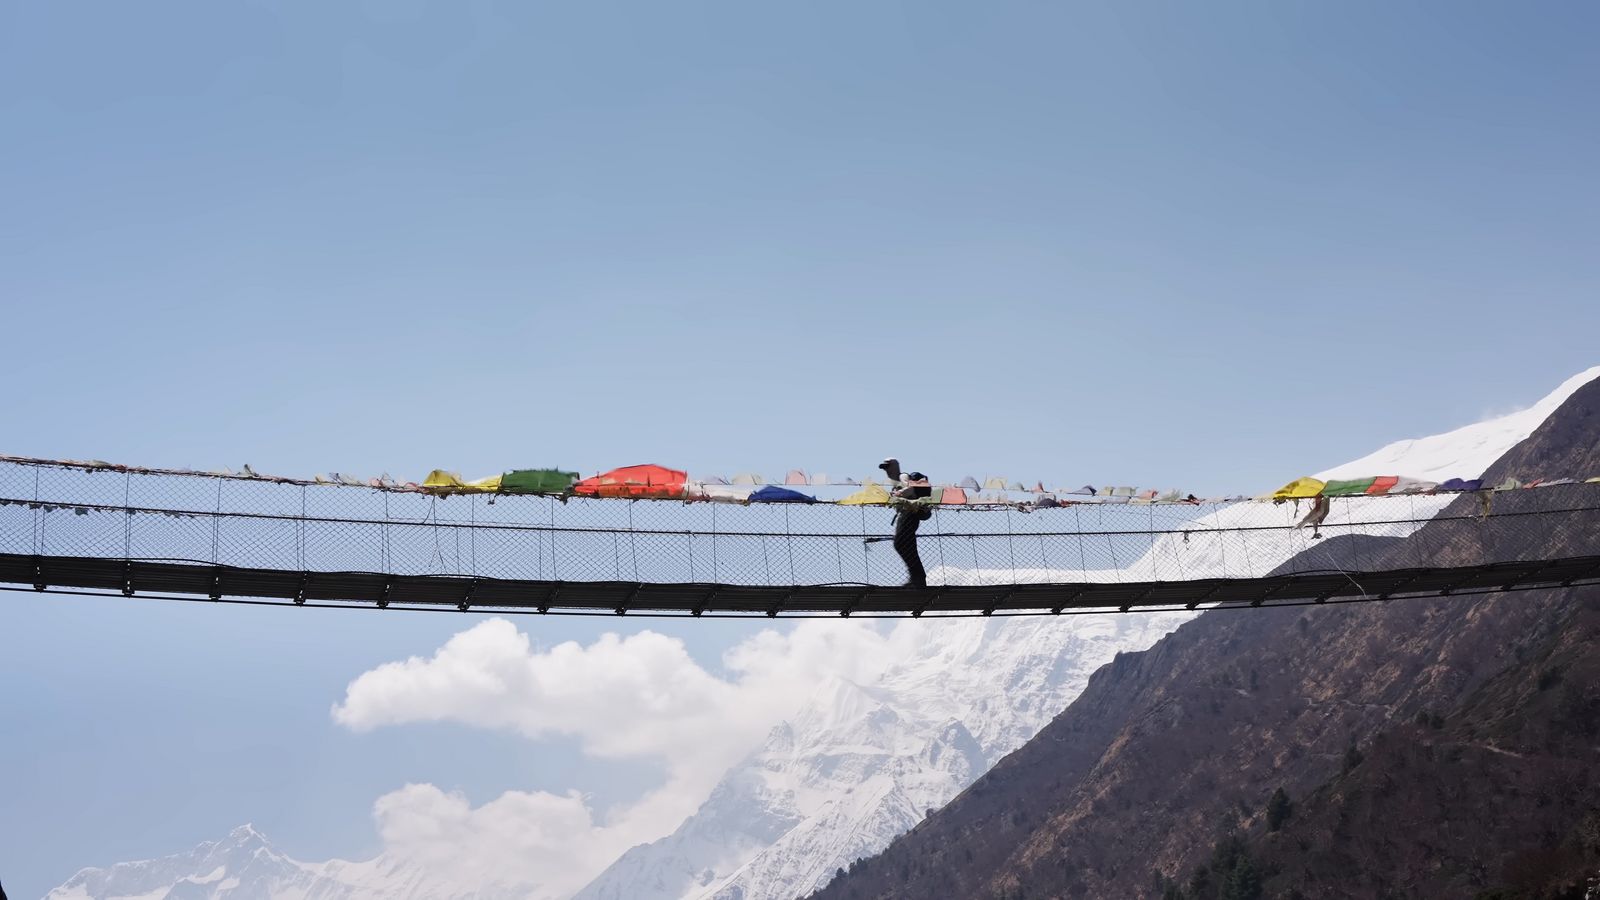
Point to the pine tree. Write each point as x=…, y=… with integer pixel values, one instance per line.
x=1278, y=809
x=1352, y=758
x=1244, y=883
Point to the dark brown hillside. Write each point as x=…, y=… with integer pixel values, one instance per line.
x=1500, y=796
x=1168, y=750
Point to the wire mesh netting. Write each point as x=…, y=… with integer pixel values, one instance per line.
x=68, y=511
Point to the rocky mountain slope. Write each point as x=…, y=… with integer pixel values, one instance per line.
x=1496, y=796
x=1136, y=788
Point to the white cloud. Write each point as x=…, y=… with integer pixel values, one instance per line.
x=636, y=697
x=519, y=838
x=623, y=697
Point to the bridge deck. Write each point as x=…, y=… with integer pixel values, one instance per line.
x=199, y=580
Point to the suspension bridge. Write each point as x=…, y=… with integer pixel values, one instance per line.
x=87, y=528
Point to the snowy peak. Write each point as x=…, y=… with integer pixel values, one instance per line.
x=245, y=837
x=1465, y=452
x=836, y=707
x=245, y=866
x=213, y=869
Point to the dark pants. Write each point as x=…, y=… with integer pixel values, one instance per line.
x=905, y=544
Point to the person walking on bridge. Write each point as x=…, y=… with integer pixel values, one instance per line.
x=908, y=514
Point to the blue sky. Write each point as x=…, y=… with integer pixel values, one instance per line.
x=1199, y=246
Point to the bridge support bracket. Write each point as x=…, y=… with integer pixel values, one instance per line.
x=1271, y=592
x=1582, y=576
x=1139, y=600
x=1195, y=603
x=1396, y=588
x=1073, y=598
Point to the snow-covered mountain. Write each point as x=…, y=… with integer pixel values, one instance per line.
x=859, y=764
x=1465, y=452
x=244, y=866
x=862, y=763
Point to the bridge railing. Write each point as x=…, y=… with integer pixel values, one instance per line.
x=61, y=510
